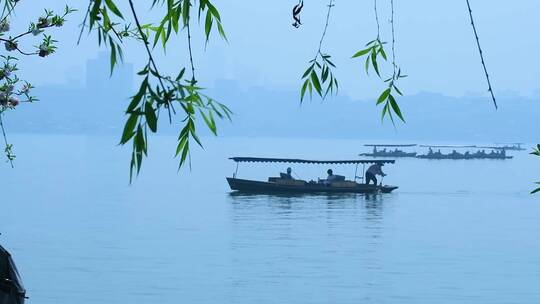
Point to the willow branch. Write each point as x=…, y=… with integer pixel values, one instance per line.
x=377, y=18
x=481, y=55
x=190, y=53
x=330, y=5
x=393, y=40
x=149, y=52
x=84, y=21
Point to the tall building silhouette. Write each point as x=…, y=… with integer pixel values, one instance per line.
x=100, y=81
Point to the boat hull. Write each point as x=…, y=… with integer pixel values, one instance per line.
x=461, y=157
x=244, y=185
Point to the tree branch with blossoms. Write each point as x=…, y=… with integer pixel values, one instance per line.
x=13, y=90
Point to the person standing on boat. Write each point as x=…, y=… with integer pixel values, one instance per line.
x=373, y=171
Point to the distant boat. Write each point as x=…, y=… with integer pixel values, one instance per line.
x=286, y=184
x=389, y=153
x=467, y=155
x=506, y=146
x=448, y=146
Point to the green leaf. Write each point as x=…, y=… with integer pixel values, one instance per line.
x=113, y=56
x=383, y=53
x=185, y=12
x=383, y=114
x=208, y=25
x=383, y=96
x=330, y=87
x=361, y=53
x=374, y=62
x=214, y=10
x=181, y=144
x=535, y=190
x=129, y=128
x=222, y=32
x=185, y=152
x=180, y=74
x=139, y=142
x=316, y=83
x=306, y=73
x=397, y=90
x=329, y=62
x=151, y=118
x=94, y=12
x=395, y=107
x=367, y=65
x=110, y=4
x=137, y=98
x=325, y=72
x=209, y=122
x=303, y=91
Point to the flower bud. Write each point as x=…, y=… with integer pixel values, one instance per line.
x=13, y=101
x=4, y=26
x=11, y=46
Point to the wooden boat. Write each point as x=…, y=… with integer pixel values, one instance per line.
x=467, y=155
x=389, y=153
x=11, y=287
x=289, y=185
x=506, y=146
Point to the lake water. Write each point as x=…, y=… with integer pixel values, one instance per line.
x=454, y=232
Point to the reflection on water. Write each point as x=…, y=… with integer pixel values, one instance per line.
x=300, y=240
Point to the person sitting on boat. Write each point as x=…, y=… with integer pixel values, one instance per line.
x=287, y=175
x=331, y=177
x=373, y=171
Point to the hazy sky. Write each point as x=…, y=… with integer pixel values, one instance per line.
x=435, y=45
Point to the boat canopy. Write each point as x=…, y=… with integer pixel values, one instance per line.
x=305, y=161
x=510, y=143
x=381, y=145
x=493, y=147
x=446, y=146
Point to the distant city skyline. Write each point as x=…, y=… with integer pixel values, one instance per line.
x=434, y=45
x=96, y=105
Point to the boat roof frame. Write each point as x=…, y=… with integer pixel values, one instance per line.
x=390, y=145
x=307, y=161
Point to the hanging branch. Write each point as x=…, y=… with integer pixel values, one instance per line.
x=481, y=54
x=8, y=147
x=377, y=18
x=319, y=73
x=330, y=5
x=393, y=40
x=190, y=53
x=373, y=51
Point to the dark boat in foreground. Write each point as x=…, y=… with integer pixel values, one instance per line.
x=285, y=184
x=11, y=288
